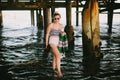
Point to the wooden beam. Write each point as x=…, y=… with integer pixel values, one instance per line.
x=38, y=4
x=21, y=5
x=32, y=5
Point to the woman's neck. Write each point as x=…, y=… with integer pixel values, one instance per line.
x=56, y=22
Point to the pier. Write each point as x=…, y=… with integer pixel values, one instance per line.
x=48, y=7
x=24, y=59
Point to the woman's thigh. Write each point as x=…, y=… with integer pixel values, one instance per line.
x=54, y=49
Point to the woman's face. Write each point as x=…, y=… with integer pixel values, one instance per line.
x=56, y=18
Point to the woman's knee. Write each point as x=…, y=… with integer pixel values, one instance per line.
x=58, y=55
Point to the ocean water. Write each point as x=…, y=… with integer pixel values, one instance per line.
x=22, y=49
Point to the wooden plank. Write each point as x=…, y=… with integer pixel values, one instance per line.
x=21, y=6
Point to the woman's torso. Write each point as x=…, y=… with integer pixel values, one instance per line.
x=55, y=32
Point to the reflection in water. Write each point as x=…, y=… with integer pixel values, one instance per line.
x=91, y=66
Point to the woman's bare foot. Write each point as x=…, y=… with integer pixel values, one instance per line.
x=60, y=74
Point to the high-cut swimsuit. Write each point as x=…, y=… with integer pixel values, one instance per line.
x=54, y=36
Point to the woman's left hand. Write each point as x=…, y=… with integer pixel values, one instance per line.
x=63, y=33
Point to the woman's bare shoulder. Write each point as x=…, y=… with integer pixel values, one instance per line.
x=50, y=25
x=60, y=24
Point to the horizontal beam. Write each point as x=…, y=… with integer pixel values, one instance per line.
x=38, y=5
x=21, y=5
x=33, y=5
x=114, y=7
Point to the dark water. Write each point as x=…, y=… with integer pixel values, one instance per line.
x=21, y=56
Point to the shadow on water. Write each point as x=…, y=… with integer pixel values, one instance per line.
x=4, y=66
x=91, y=66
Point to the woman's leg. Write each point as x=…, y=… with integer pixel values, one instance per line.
x=54, y=63
x=57, y=55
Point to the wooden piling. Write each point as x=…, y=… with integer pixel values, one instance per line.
x=1, y=19
x=46, y=12
x=90, y=30
x=110, y=16
x=32, y=18
x=39, y=18
x=77, y=14
x=52, y=9
x=91, y=37
x=110, y=20
x=69, y=28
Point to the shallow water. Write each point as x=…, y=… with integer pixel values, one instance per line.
x=21, y=55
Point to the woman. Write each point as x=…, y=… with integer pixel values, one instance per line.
x=52, y=39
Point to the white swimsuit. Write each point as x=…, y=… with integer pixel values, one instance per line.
x=54, y=37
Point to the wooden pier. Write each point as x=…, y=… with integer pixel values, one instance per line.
x=46, y=5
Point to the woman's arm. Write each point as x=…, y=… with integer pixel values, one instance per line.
x=47, y=35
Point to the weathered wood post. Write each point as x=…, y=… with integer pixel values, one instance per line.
x=110, y=15
x=32, y=15
x=91, y=35
x=39, y=17
x=52, y=9
x=46, y=13
x=77, y=14
x=69, y=28
x=1, y=19
x=32, y=18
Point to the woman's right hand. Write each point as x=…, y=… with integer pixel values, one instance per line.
x=46, y=46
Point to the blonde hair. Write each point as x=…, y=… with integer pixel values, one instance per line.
x=55, y=14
